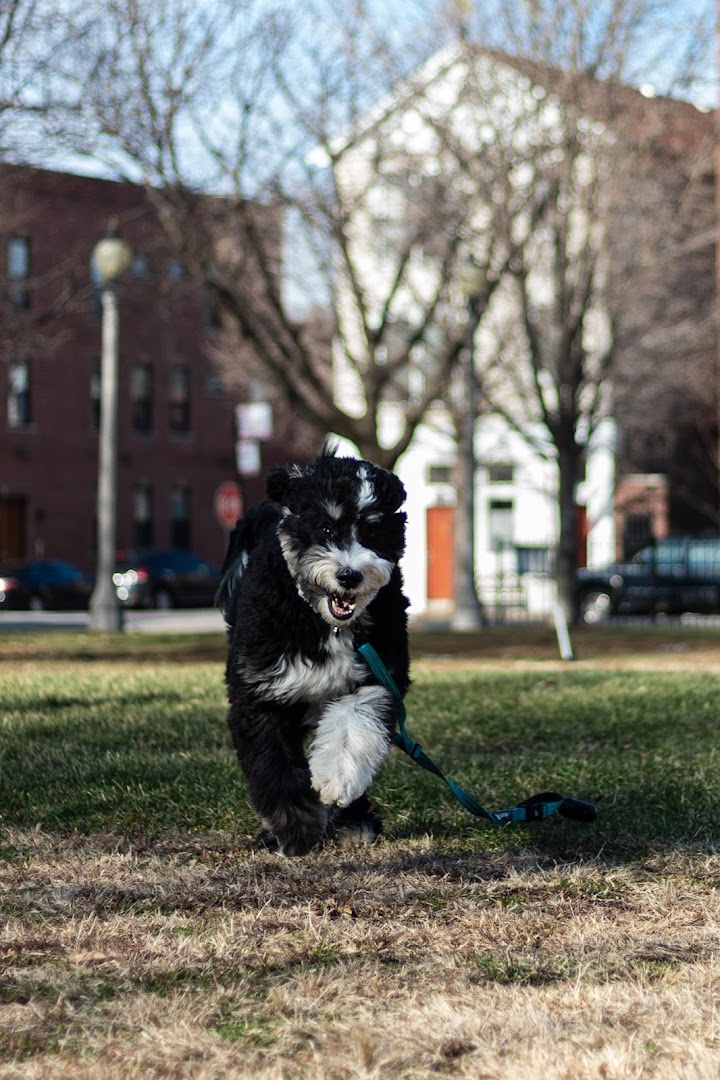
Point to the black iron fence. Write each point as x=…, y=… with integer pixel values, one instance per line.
x=521, y=587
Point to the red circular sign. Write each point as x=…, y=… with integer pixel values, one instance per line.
x=228, y=503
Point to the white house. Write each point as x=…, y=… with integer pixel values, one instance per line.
x=384, y=171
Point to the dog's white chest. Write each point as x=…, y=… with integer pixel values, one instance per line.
x=338, y=671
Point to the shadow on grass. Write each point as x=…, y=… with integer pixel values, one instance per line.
x=55, y=702
x=641, y=808
x=632, y=823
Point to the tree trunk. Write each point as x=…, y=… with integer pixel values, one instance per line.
x=568, y=463
x=468, y=613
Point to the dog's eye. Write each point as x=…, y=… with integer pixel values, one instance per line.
x=328, y=532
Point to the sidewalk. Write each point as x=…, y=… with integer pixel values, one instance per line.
x=195, y=621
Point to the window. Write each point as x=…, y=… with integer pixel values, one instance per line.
x=180, y=398
x=18, y=258
x=664, y=557
x=180, y=517
x=440, y=474
x=213, y=317
x=669, y=556
x=18, y=270
x=140, y=266
x=95, y=394
x=534, y=560
x=500, y=473
x=213, y=384
x=428, y=214
x=500, y=520
x=142, y=512
x=19, y=400
x=141, y=402
x=637, y=532
x=177, y=271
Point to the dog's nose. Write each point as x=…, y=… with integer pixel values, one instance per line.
x=349, y=578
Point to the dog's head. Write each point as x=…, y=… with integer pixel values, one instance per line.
x=341, y=532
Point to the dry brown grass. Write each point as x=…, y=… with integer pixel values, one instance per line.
x=199, y=958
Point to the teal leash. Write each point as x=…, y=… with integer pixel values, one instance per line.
x=536, y=808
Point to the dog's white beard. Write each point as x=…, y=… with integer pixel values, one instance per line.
x=315, y=572
x=350, y=744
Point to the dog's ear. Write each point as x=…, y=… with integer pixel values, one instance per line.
x=277, y=484
x=389, y=489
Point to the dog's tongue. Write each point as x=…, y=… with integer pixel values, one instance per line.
x=341, y=609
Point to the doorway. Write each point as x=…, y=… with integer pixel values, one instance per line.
x=440, y=529
x=13, y=526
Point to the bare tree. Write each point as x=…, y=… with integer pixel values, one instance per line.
x=354, y=162
x=233, y=99
x=290, y=117
x=33, y=35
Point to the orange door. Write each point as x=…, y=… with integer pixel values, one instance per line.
x=440, y=552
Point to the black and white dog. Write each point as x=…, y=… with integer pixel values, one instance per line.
x=309, y=576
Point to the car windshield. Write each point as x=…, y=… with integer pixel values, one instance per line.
x=179, y=562
x=666, y=553
x=182, y=562
x=52, y=572
x=704, y=558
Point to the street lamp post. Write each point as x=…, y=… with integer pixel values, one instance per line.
x=111, y=257
x=468, y=613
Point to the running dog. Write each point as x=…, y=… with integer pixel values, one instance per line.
x=309, y=576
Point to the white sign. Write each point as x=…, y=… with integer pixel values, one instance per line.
x=247, y=457
x=254, y=420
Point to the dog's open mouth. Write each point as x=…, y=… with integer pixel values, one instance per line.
x=341, y=609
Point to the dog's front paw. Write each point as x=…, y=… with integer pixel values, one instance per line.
x=339, y=782
x=351, y=740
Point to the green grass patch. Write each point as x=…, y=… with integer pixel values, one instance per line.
x=143, y=750
x=236, y=1028
x=140, y=751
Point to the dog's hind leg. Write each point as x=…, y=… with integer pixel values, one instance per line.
x=358, y=823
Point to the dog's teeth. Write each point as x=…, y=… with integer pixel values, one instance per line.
x=341, y=609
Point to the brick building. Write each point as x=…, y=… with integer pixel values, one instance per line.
x=175, y=423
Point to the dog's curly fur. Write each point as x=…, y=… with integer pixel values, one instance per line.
x=309, y=576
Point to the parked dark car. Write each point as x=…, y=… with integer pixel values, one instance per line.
x=43, y=585
x=165, y=579
x=672, y=576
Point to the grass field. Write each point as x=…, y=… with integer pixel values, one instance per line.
x=141, y=935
